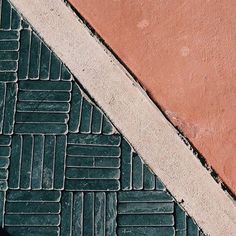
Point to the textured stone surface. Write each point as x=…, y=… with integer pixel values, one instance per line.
x=183, y=53
x=70, y=171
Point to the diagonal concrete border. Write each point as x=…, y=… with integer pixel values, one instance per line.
x=133, y=113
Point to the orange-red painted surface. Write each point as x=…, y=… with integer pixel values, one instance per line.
x=183, y=53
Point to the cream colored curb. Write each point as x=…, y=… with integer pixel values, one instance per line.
x=133, y=113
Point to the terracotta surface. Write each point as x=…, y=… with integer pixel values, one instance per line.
x=183, y=53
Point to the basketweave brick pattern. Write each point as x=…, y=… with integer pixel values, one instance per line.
x=64, y=168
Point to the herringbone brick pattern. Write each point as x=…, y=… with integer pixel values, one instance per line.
x=64, y=168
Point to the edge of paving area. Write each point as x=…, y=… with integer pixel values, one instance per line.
x=133, y=113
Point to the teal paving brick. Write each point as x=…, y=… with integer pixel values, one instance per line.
x=9, y=45
x=6, y=11
x=44, y=62
x=25, y=37
x=34, y=56
x=2, y=207
x=15, y=20
x=8, y=97
x=90, y=213
x=28, y=211
x=64, y=168
x=148, y=231
x=65, y=74
x=87, y=165
x=38, y=162
x=43, y=107
x=55, y=68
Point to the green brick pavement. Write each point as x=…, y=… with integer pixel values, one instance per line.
x=64, y=168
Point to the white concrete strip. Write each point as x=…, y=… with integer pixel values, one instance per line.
x=133, y=113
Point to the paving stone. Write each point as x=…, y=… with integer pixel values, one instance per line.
x=65, y=74
x=37, y=162
x=9, y=45
x=8, y=56
x=25, y=37
x=34, y=56
x=10, y=35
x=4, y=163
x=33, y=196
x=44, y=62
x=75, y=112
x=45, y=86
x=2, y=207
x=55, y=67
x=85, y=165
x=10, y=66
x=146, y=220
x=83, y=139
x=64, y=168
x=37, y=100
x=15, y=20
x=145, y=208
x=126, y=166
x=148, y=231
x=33, y=231
x=8, y=96
x=144, y=196
x=30, y=209
x=5, y=15
x=8, y=76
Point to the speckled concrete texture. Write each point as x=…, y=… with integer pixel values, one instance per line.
x=183, y=53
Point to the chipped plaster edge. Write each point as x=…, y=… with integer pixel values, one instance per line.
x=133, y=113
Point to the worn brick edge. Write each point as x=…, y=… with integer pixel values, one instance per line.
x=133, y=113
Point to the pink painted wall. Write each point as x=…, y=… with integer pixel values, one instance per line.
x=183, y=53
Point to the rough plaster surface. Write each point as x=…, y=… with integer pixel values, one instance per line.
x=134, y=114
x=183, y=53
